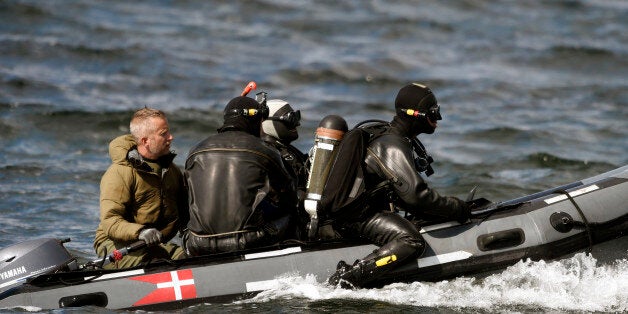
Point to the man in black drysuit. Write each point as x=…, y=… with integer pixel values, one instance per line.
x=391, y=157
x=279, y=130
x=240, y=194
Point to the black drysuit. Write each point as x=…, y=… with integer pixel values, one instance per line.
x=295, y=162
x=391, y=155
x=240, y=194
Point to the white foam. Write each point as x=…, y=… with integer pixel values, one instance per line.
x=573, y=284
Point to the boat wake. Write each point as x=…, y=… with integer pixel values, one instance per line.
x=578, y=283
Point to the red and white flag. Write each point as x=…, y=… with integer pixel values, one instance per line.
x=171, y=286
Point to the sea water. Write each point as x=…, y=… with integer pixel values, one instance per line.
x=534, y=94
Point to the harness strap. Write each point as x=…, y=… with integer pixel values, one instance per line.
x=584, y=218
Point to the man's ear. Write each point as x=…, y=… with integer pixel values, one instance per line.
x=143, y=141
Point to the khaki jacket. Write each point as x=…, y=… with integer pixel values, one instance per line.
x=133, y=196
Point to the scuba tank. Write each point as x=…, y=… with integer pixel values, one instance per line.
x=328, y=136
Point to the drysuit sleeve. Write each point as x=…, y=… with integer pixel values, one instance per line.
x=283, y=185
x=416, y=196
x=183, y=206
x=115, y=199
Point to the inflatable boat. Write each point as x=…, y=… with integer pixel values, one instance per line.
x=546, y=225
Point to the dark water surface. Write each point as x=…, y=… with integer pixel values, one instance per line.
x=534, y=94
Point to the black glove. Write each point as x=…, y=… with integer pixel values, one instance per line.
x=478, y=204
x=151, y=236
x=464, y=211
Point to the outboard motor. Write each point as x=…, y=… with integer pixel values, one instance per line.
x=28, y=259
x=328, y=135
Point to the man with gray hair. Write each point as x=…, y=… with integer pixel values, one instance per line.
x=142, y=193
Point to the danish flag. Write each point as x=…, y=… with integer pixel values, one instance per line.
x=171, y=286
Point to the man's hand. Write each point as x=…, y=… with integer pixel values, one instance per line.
x=151, y=236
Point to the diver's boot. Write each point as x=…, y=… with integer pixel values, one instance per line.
x=355, y=276
x=361, y=272
x=341, y=268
